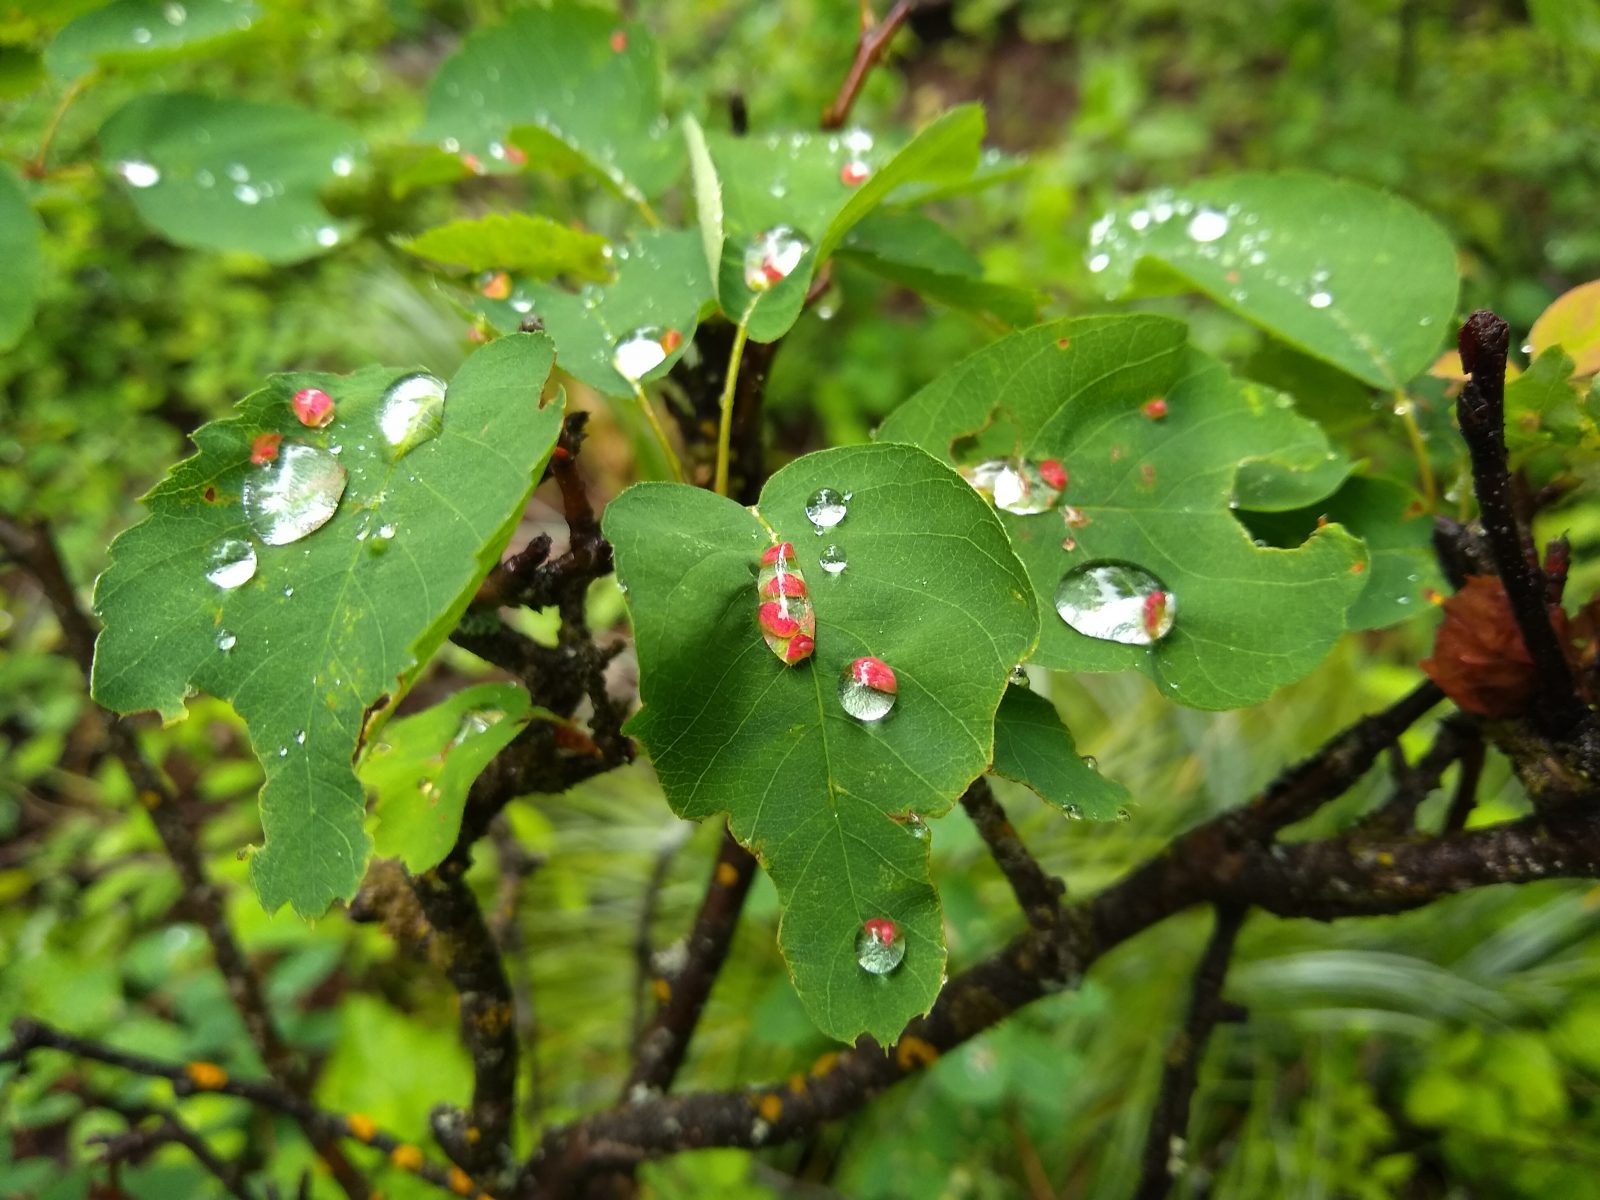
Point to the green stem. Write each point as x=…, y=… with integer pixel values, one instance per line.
x=729, y=386
x=649, y=411
x=1405, y=410
x=49, y=136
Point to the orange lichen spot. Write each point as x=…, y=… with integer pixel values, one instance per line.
x=1433, y=595
x=362, y=1127
x=406, y=1156
x=150, y=798
x=1063, y=343
x=1358, y=568
x=824, y=1064
x=474, y=1135
x=461, y=1183
x=1415, y=509
x=1385, y=859
x=1322, y=521
x=496, y=1018
x=770, y=1106
x=911, y=1052
x=206, y=1076
x=661, y=989
x=797, y=1083
x=727, y=874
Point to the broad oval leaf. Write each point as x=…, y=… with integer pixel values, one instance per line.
x=917, y=253
x=312, y=634
x=585, y=83
x=140, y=30
x=20, y=233
x=1149, y=490
x=232, y=174
x=531, y=245
x=1572, y=322
x=1353, y=276
x=1034, y=748
x=825, y=800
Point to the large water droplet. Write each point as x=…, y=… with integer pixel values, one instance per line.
x=410, y=413
x=826, y=508
x=1320, y=299
x=787, y=620
x=1207, y=225
x=139, y=174
x=1019, y=487
x=643, y=350
x=833, y=559
x=772, y=257
x=880, y=947
x=475, y=722
x=867, y=689
x=226, y=641
x=1116, y=602
x=233, y=563
x=313, y=407
x=296, y=495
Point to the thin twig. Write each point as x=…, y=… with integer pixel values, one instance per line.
x=1038, y=892
x=1456, y=737
x=875, y=38
x=40, y=164
x=1164, y=1146
x=136, y=1142
x=1466, y=796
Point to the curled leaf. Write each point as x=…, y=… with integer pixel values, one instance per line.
x=1479, y=658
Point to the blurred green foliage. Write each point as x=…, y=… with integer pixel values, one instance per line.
x=1448, y=1052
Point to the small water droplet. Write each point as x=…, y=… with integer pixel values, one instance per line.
x=833, y=559
x=246, y=193
x=880, y=948
x=1320, y=299
x=1020, y=487
x=475, y=722
x=410, y=413
x=283, y=752
x=1116, y=602
x=226, y=641
x=642, y=351
x=327, y=235
x=1019, y=676
x=867, y=689
x=141, y=35
x=300, y=737
x=1073, y=812
x=288, y=592
x=1207, y=225
x=825, y=509
x=175, y=13
x=1092, y=763
x=1099, y=263
x=313, y=407
x=342, y=165
x=916, y=826
x=233, y=563
x=295, y=496
x=137, y=173
x=772, y=257
x=854, y=173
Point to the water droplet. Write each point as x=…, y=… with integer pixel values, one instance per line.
x=1020, y=486
x=879, y=946
x=137, y=173
x=477, y=721
x=411, y=412
x=773, y=256
x=1019, y=676
x=300, y=738
x=295, y=496
x=175, y=14
x=825, y=509
x=246, y=193
x=787, y=621
x=1099, y=263
x=1116, y=602
x=833, y=559
x=226, y=641
x=1092, y=763
x=1207, y=225
x=857, y=141
x=283, y=752
x=643, y=350
x=313, y=407
x=327, y=235
x=141, y=35
x=342, y=165
x=233, y=563
x=854, y=173
x=916, y=826
x=1320, y=299
x=867, y=689
x=1124, y=815
x=1072, y=812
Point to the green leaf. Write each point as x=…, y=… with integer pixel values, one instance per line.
x=1572, y=322
x=1155, y=493
x=232, y=174
x=533, y=246
x=423, y=765
x=661, y=285
x=1353, y=276
x=1033, y=747
x=1542, y=405
x=1402, y=570
x=333, y=625
x=131, y=31
x=707, y=193
x=916, y=252
x=584, y=86
x=795, y=180
x=20, y=234
x=932, y=589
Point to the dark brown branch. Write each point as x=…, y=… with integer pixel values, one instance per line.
x=1457, y=736
x=643, y=948
x=1038, y=893
x=664, y=1042
x=202, y=899
x=1466, y=795
x=1480, y=411
x=188, y=1079
x=1169, y=1124
x=136, y=1143
x=875, y=39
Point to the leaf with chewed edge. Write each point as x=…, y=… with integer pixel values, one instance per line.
x=1033, y=747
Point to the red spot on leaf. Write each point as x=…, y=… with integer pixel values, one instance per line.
x=1154, y=614
x=472, y=163
x=670, y=340
x=1358, y=568
x=1063, y=343
x=265, y=448
x=313, y=407
x=800, y=647
x=1053, y=473
x=881, y=930
x=854, y=173
x=875, y=674
x=619, y=40
x=1155, y=408
x=516, y=155
x=1147, y=474
x=209, y=495
x=776, y=621
x=786, y=584
x=497, y=286
x=783, y=550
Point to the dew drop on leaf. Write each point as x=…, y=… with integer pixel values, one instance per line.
x=867, y=689
x=1207, y=225
x=825, y=509
x=788, y=622
x=411, y=412
x=642, y=351
x=313, y=407
x=1116, y=602
x=833, y=559
x=233, y=563
x=264, y=449
x=772, y=257
x=879, y=946
x=1320, y=299
x=1019, y=676
x=226, y=641
x=139, y=174
x=295, y=496
x=1018, y=486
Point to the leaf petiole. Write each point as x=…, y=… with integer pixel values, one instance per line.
x=729, y=387
x=649, y=411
